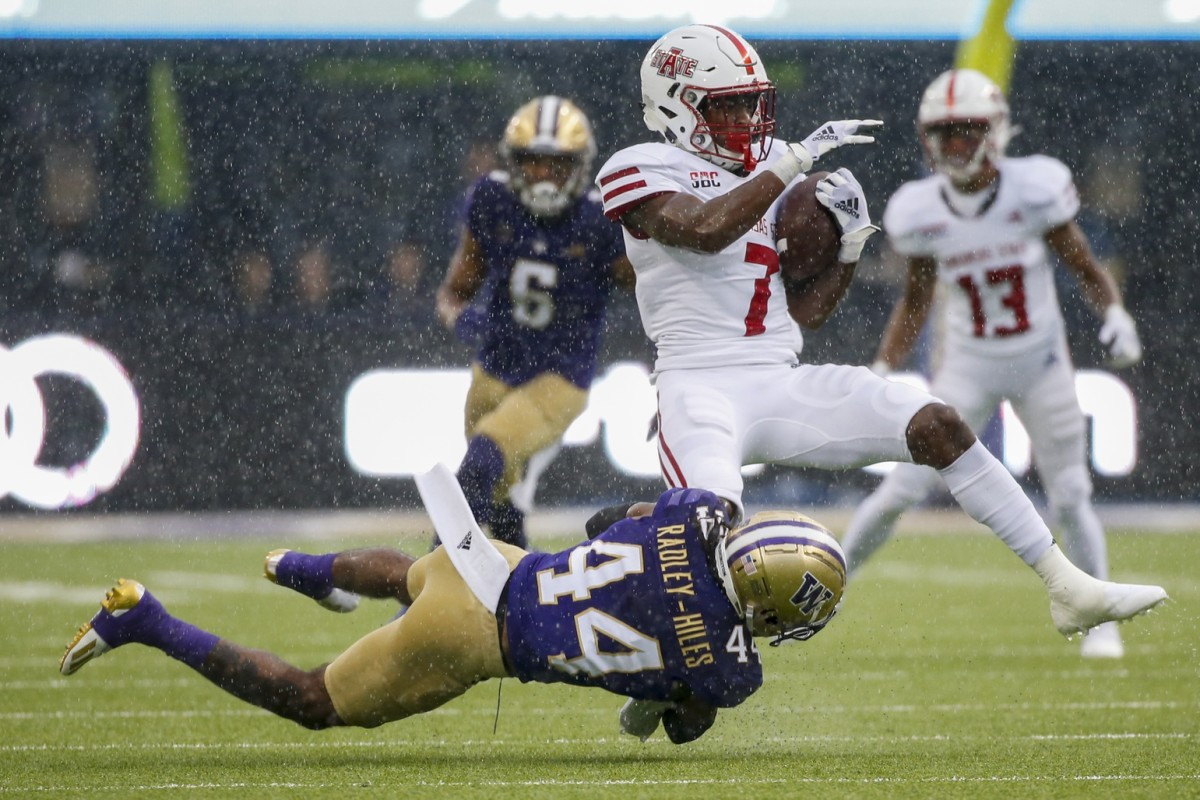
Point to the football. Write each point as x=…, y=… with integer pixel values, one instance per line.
x=806, y=234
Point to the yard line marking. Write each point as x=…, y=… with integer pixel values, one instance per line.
x=468, y=743
x=733, y=781
x=952, y=708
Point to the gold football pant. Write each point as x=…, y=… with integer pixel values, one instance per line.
x=521, y=420
x=443, y=645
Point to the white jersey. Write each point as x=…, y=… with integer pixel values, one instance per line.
x=701, y=309
x=994, y=276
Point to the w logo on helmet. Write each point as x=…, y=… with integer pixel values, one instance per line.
x=811, y=595
x=671, y=63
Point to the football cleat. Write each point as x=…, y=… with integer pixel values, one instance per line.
x=88, y=643
x=1102, y=641
x=1079, y=602
x=338, y=600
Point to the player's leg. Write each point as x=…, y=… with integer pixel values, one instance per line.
x=986, y=491
x=908, y=484
x=129, y=614
x=508, y=517
x=701, y=416
x=1057, y=429
x=847, y=416
x=376, y=572
x=529, y=419
x=446, y=643
x=484, y=463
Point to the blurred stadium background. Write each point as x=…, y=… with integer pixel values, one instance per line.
x=247, y=208
x=252, y=213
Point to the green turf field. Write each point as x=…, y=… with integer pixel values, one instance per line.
x=942, y=678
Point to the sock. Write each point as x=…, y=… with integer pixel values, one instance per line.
x=149, y=623
x=876, y=516
x=508, y=525
x=481, y=469
x=988, y=493
x=309, y=575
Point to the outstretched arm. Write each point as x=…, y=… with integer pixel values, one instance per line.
x=1119, y=332
x=463, y=279
x=1071, y=246
x=908, y=315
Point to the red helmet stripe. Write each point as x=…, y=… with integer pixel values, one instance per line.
x=747, y=62
x=950, y=91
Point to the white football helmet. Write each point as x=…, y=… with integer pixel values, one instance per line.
x=549, y=126
x=693, y=63
x=784, y=572
x=963, y=95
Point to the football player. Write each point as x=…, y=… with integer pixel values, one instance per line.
x=696, y=209
x=527, y=288
x=660, y=607
x=978, y=231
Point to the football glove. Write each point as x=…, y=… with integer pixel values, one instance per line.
x=640, y=718
x=1119, y=335
x=842, y=194
x=801, y=156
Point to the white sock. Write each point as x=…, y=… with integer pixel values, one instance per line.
x=876, y=516
x=988, y=493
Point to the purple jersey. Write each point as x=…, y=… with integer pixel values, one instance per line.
x=547, y=283
x=637, y=610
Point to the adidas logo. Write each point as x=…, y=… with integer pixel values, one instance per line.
x=465, y=544
x=849, y=206
x=825, y=134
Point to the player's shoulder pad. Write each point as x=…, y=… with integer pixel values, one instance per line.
x=647, y=155
x=903, y=213
x=1045, y=188
x=1040, y=179
x=493, y=184
x=909, y=214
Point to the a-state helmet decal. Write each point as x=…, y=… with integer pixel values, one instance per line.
x=672, y=63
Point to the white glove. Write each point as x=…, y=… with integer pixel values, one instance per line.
x=842, y=194
x=801, y=156
x=1119, y=334
x=640, y=718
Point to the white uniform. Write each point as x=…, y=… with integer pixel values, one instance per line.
x=1002, y=337
x=730, y=391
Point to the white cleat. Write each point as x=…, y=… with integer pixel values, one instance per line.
x=338, y=600
x=1079, y=602
x=1102, y=641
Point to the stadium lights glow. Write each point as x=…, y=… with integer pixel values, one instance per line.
x=400, y=422
x=1182, y=11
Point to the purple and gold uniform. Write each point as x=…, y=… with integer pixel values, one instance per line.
x=547, y=283
x=637, y=611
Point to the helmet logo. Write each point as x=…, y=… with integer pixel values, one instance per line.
x=671, y=63
x=811, y=594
